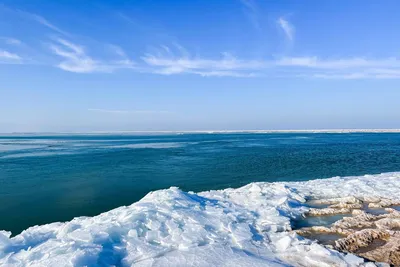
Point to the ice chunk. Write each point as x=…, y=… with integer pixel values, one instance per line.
x=247, y=226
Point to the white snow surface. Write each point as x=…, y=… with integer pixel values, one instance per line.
x=248, y=226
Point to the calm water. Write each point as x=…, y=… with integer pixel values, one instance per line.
x=55, y=178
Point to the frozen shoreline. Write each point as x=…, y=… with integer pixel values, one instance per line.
x=248, y=226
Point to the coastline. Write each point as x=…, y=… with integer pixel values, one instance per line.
x=249, y=226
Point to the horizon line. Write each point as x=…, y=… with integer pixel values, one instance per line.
x=344, y=130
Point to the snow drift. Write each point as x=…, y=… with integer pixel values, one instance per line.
x=248, y=226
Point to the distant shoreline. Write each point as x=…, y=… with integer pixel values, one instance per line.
x=210, y=132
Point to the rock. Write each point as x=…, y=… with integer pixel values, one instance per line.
x=389, y=224
x=346, y=206
x=392, y=213
x=331, y=201
x=394, y=257
x=384, y=203
x=371, y=199
x=361, y=239
x=327, y=211
x=375, y=237
x=359, y=220
x=314, y=229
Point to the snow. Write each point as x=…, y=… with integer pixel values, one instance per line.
x=248, y=226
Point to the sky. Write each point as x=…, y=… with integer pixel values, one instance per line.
x=152, y=65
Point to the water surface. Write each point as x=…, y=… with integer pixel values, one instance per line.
x=55, y=178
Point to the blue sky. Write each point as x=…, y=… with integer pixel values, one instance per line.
x=73, y=65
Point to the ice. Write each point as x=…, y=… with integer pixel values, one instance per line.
x=247, y=226
x=36, y=154
x=21, y=148
x=150, y=145
x=12, y=147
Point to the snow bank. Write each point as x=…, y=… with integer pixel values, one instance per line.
x=247, y=226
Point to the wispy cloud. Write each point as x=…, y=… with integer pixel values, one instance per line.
x=113, y=111
x=342, y=68
x=315, y=67
x=363, y=74
x=225, y=73
x=71, y=53
x=342, y=63
x=251, y=10
x=227, y=65
x=287, y=28
x=11, y=41
x=34, y=17
x=170, y=60
x=118, y=50
x=8, y=56
x=44, y=22
x=75, y=59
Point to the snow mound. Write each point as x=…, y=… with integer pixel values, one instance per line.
x=248, y=226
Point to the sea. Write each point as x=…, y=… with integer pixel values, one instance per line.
x=56, y=177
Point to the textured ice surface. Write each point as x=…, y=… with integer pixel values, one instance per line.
x=247, y=226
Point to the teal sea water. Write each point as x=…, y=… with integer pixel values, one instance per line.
x=55, y=178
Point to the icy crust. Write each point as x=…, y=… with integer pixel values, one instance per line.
x=248, y=226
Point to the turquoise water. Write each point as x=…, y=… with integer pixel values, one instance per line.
x=55, y=178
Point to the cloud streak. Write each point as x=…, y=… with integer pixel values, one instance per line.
x=70, y=54
x=251, y=10
x=343, y=68
x=313, y=67
x=11, y=41
x=227, y=65
x=366, y=74
x=44, y=22
x=9, y=57
x=343, y=63
x=287, y=28
x=165, y=60
x=113, y=111
x=75, y=59
x=117, y=50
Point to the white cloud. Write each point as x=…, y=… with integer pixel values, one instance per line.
x=8, y=56
x=117, y=50
x=75, y=59
x=169, y=60
x=287, y=28
x=342, y=63
x=344, y=76
x=363, y=74
x=226, y=65
x=343, y=68
x=251, y=11
x=113, y=111
x=178, y=60
x=74, y=56
x=35, y=17
x=225, y=74
x=44, y=22
x=11, y=41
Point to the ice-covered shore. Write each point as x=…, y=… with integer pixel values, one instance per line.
x=248, y=226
